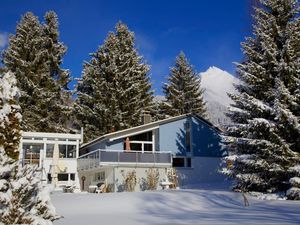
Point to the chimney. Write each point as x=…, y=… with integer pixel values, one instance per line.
x=146, y=117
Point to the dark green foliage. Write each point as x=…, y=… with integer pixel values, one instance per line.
x=264, y=140
x=115, y=87
x=183, y=93
x=35, y=55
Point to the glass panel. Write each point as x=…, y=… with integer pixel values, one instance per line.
x=62, y=177
x=32, y=152
x=71, y=151
x=178, y=162
x=62, y=151
x=72, y=176
x=136, y=146
x=49, y=178
x=100, y=176
x=148, y=147
x=49, y=150
x=142, y=137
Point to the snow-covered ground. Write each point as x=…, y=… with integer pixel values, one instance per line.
x=207, y=205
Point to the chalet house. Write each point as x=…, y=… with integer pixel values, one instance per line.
x=188, y=143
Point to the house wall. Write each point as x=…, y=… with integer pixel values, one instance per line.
x=115, y=145
x=70, y=165
x=90, y=177
x=141, y=176
x=115, y=177
x=205, y=140
x=204, y=170
x=172, y=137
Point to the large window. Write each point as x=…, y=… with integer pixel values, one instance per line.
x=62, y=177
x=140, y=142
x=32, y=152
x=142, y=137
x=67, y=151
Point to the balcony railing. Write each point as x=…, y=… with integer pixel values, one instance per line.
x=100, y=157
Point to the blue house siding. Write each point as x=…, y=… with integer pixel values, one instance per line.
x=172, y=137
x=115, y=145
x=205, y=140
x=98, y=145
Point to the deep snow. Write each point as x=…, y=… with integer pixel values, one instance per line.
x=207, y=205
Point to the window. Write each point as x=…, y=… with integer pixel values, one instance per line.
x=100, y=176
x=67, y=151
x=136, y=146
x=63, y=177
x=142, y=137
x=72, y=176
x=182, y=162
x=148, y=147
x=178, y=162
x=49, y=150
x=49, y=178
x=31, y=152
x=71, y=151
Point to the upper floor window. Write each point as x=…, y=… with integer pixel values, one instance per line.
x=67, y=151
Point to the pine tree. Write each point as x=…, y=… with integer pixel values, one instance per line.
x=35, y=55
x=22, y=198
x=115, y=86
x=183, y=93
x=264, y=139
x=10, y=117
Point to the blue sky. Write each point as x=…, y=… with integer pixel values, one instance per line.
x=208, y=31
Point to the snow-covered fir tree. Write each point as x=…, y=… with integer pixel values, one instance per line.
x=264, y=139
x=115, y=87
x=22, y=198
x=182, y=92
x=35, y=56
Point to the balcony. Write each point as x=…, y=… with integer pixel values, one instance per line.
x=99, y=158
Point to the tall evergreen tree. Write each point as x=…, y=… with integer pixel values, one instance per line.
x=183, y=93
x=35, y=55
x=264, y=140
x=115, y=86
x=23, y=200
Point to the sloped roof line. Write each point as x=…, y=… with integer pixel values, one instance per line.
x=149, y=126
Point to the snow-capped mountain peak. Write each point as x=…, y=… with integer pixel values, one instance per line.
x=216, y=84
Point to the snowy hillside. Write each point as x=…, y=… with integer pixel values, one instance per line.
x=216, y=84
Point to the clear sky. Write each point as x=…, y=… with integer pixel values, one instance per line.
x=208, y=31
